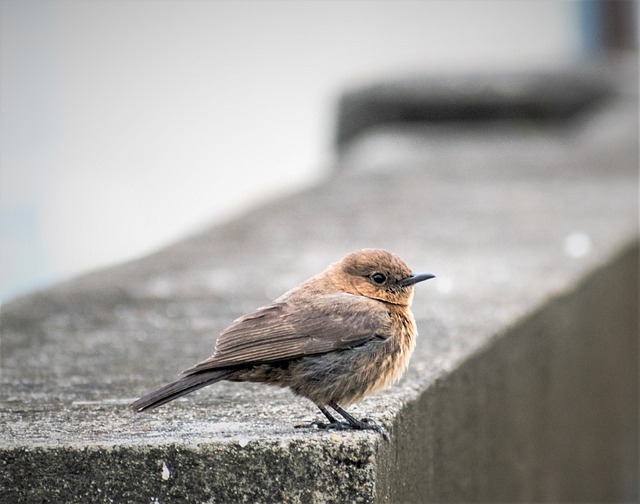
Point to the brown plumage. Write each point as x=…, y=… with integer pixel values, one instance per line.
x=337, y=337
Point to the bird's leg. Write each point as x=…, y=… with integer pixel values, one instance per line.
x=354, y=423
x=329, y=416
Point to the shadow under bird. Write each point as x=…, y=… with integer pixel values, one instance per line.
x=335, y=338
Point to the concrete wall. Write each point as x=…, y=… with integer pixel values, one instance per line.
x=547, y=412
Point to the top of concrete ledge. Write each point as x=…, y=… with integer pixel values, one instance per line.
x=505, y=225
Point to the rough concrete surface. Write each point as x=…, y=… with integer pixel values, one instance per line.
x=524, y=382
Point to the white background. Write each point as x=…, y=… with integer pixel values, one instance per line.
x=126, y=125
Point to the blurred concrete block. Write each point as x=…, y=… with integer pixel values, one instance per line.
x=528, y=96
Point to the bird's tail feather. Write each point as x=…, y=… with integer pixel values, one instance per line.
x=178, y=388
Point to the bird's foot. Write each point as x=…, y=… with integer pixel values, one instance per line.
x=364, y=424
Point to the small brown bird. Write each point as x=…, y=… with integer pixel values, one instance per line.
x=335, y=338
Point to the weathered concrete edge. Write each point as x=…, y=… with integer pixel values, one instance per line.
x=206, y=472
x=458, y=441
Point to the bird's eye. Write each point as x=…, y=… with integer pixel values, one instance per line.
x=378, y=278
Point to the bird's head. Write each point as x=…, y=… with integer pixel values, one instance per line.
x=377, y=274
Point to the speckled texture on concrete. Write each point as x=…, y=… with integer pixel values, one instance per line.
x=266, y=469
x=532, y=231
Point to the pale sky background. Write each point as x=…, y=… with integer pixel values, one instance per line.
x=126, y=125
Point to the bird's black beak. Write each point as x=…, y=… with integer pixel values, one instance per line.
x=414, y=279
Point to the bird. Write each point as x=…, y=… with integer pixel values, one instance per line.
x=339, y=336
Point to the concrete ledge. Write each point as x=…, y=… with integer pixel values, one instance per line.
x=547, y=412
x=523, y=385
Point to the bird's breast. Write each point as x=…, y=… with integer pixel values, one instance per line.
x=392, y=362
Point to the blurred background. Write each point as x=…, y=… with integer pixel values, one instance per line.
x=125, y=126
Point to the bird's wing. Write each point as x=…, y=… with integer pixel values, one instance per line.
x=293, y=329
